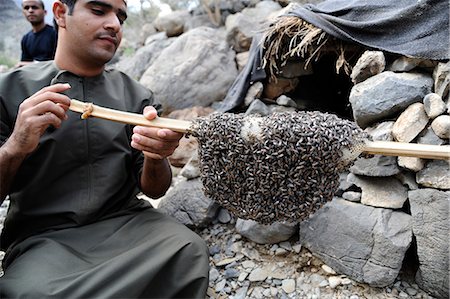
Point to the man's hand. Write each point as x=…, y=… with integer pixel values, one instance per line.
x=45, y=108
x=155, y=143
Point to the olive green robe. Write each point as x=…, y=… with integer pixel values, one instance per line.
x=75, y=228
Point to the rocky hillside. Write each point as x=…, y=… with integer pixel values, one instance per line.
x=9, y=11
x=13, y=27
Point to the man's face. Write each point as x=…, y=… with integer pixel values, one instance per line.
x=33, y=11
x=96, y=26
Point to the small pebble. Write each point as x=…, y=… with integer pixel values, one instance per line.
x=328, y=269
x=334, y=281
x=288, y=285
x=411, y=291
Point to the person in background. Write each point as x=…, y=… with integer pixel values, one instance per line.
x=39, y=44
x=76, y=227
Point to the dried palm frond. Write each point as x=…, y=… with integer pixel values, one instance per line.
x=291, y=37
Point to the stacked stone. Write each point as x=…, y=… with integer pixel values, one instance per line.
x=391, y=199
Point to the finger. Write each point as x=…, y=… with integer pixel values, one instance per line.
x=26, y=135
x=156, y=133
x=154, y=146
x=56, y=98
x=55, y=103
x=45, y=108
x=48, y=119
x=156, y=152
x=146, y=131
x=40, y=122
x=64, y=107
x=167, y=134
x=51, y=93
x=57, y=88
x=150, y=112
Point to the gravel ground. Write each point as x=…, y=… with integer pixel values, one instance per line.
x=243, y=269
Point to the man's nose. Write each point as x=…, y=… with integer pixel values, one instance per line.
x=113, y=23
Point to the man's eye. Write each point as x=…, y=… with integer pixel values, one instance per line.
x=32, y=7
x=98, y=11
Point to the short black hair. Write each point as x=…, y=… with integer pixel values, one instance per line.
x=70, y=4
x=41, y=2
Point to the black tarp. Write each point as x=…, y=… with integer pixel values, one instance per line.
x=413, y=28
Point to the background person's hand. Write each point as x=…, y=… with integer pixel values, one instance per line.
x=45, y=108
x=155, y=143
x=22, y=63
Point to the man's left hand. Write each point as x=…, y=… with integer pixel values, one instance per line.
x=155, y=143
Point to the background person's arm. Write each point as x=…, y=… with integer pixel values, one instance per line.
x=22, y=63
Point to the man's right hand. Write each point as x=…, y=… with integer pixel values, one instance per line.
x=45, y=108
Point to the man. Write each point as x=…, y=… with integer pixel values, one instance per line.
x=75, y=228
x=39, y=44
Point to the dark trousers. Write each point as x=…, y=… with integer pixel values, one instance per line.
x=143, y=255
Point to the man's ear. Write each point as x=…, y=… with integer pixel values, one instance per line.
x=59, y=13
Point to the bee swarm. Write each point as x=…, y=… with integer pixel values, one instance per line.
x=281, y=167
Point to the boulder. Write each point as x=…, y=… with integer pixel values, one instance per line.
x=266, y=234
x=197, y=69
x=430, y=224
x=386, y=95
x=172, y=23
x=187, y=203
x=369, y=64
x=365, y=243
x=137, y=64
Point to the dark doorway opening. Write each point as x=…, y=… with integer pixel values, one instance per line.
x=324, y=90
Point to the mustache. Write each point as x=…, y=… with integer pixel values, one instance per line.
x=109, y=35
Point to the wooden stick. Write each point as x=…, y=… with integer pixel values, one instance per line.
x=177, y=125
x=386, y=148
x=390, y=148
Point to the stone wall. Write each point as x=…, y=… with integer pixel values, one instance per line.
x=384, y=204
